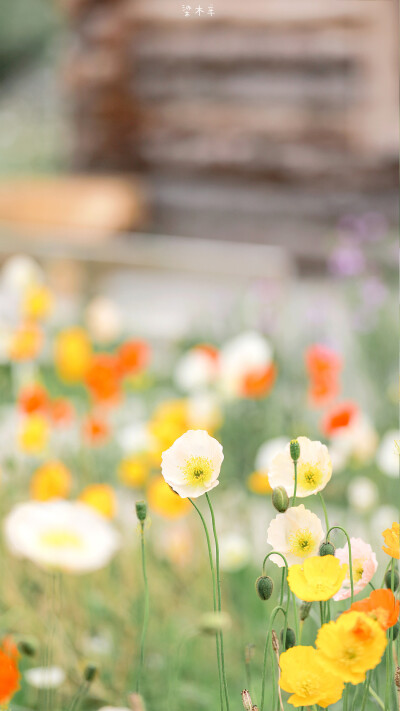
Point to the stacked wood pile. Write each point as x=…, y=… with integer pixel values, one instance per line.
x=266, y=121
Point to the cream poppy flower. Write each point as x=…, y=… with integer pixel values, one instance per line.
x=248, y=353
x=314, y=468
x=45, y=677
x=364, y=566
x=387, y=456
x=297, y=534
x=191, y=466
x=196, y=369
x=63, y=535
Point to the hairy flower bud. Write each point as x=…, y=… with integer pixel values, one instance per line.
x=27, y=646
x=305, y=608
x=90, y=672
x=264, y=587
x=275, y=642
x=246, y=699
x=388, y=579
x=141, y=510
x=290, y=638
x=280, y=499
x=397, y=677
x=294, y=450
x=327, y=548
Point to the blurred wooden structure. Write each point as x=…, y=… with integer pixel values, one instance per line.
x=266, y=122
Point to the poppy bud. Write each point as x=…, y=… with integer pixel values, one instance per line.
x=280, y=499
x=27, y=646
x=246, y=699
x=397, y=677
x=305, y=608
x=388, y=579
x=141, y=510
x=290, y=638
x=294, y=450
x=264, y=587
x=396, y=630
x=327, y=548
x=90, y=672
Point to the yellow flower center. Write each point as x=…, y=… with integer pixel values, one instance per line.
x=309, y=476
x=61, y=538
x=302, y=543
x=307, y=687
x=198, y=470
x=358, y=569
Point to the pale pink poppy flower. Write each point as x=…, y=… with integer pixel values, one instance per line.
x=364, y=565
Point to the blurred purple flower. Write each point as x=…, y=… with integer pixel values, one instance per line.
x=373, y=292
x=346, y=260
x=363, y=228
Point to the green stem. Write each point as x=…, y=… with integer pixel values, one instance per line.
x=321, y=498
x=217, y=638
x=146, y=608
x=266, y=648
x=321, y=610
x=296, y=621
x=377, y=699
x=295, y=484
x=366, y=690
x=286, y=570
x=339, y=528
x=218, y=588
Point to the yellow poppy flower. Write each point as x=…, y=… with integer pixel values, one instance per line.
x=100, y=497
x=51, y=481
x=392, y=541
x=164, y=501
x=258, y=483
x=38, y=303
x=352, y=645
x=34, y=434
x=72, y=354
x=318, y=578
x=134, y=470
x=305, y=676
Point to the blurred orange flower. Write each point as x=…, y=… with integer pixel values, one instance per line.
x=33, y=398
x=34, y=434
x=100, y=497
x=9, y=676
x=72, y=354
x=103, y=380
x=164, y=501
x=258, y=383
x=51, y=481
x=339, y=417
x=61, y=412
x=133, y=357
x=392, y=541
x=96, y=430
x=381, y=605
x=323, y=366
x=26, y=342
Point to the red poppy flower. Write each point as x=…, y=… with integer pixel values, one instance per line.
x=258, y=383
x=133, y=357
x=339, y=417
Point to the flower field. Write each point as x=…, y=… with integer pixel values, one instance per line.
x=206, y=522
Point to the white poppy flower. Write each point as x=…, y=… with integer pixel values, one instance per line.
x=362, y=494
x=191, y=466
x=64, y=535
x=314, y=468
x=103, y=319
x=45, y=677
x=387, y=456
x=234, y=552
x=196, y=370
x=267, y=452
x=247, y=353
x=297, y=534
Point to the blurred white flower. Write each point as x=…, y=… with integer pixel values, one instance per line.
x=175, y=543
x=192, y=465
x=387, y=456
x=197, y=369
x=364, y=565
x=297, y=534
x=20, y=272
x=103, y=319
x=135, y=438
x=358, y=440
x=314, y=468
x=204, y=412
x=64, y=535
x=97, y=644
x=362, y=493
x=45, y=677
x=267, y=452
x=234, y=552
x=240, y=357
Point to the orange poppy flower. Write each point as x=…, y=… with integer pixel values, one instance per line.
x=9, y=677
x=321, y=359
x=392, y=541
x=322, y=390
x=26, y=342
x=133, y=357
x=61, y=412
x=96, y=430
x=381, y=605
x=33, y=398
x=102, y=378
x=211, y=351
x=258, y=383
x=339, y=417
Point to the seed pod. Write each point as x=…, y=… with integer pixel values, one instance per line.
x=294, y=450
x=264, y=587
x=290, y=638
x=397, y=677
x=141, y=510
x=305, y=608
x=327, y=548
x=280, y=499
x=246, y=699
x=90, y=672
x=396, y=630
x=388, y=579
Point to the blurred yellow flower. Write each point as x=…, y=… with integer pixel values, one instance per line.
x=305, y=676
x=34, y=434
x=392, y=540
x=352, y=645
x=100, y=497
x=258, y=483
x=164, y=501
x=72, y=354
x=134, y=470
x=25, y=342
x=318, y=578
x=38, y=303
x=51, y=481
x=169, y=421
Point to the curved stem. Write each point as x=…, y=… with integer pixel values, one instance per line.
x=146, y=608
x=339, y=528
x=321, y=498
x=286, y=570
x=218, y=588
x=210, y=557
x=271, y=621
x=295, y=484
